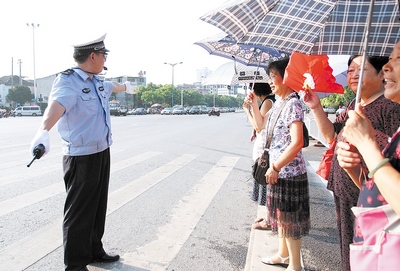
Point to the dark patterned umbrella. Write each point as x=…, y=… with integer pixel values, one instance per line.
x=311, y=26
x=341, y=27
x=249, y=55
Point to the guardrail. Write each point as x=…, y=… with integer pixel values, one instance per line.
x=313, y=130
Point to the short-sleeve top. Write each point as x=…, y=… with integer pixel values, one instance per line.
x=281, y=138
x=384, y=116
x=85, y=126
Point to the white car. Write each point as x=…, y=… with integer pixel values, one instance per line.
x=166, y=111
x=340, y=110
x=330, y=110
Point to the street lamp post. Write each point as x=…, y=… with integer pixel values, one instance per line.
x=34, y=66
x=173, y=65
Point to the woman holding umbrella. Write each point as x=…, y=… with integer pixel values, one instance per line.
x=258, y=117
x=383, y=167
x=384, y=117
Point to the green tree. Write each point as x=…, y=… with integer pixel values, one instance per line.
x=19, y=94
x=148, y=98
x=336, y=100
x=152, y=97
x=192, y=97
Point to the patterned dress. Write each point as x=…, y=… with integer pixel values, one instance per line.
x=384, y=116
x=288, y=199
x=370, y=196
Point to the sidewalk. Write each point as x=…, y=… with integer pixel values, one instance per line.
x=262, y=244
x=320, y=249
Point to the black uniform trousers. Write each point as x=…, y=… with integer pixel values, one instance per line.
x=86, y=181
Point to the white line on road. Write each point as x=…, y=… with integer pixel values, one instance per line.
x=171, y=237
x=16, y=203
x=32, y=248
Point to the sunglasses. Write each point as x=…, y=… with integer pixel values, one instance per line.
x=103, y=53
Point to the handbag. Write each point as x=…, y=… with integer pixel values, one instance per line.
x=261, y=164
x=260, y=168
x=306, y=139
x=380, y=249
x=325, y=165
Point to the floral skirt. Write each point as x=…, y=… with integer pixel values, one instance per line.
x=289, y=207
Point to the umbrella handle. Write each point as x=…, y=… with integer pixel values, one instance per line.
x=364, y=56
x=258, y=67
x=234, y=65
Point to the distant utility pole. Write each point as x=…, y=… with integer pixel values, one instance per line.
x=173, y=66
x=12, y=72
x=20, y=77
x=34, y=66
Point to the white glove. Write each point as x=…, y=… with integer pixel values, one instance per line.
x=41, y=137
x=128, y=87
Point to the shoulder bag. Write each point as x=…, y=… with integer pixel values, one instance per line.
x=261, y=164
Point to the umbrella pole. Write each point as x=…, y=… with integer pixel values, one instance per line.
x=364, y=56
x=255, y=75
x=234, y=66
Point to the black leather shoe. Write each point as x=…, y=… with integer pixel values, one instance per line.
x=106, y=258
x=84, y=269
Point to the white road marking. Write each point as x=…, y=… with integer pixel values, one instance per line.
x=16, y=203
x=32, y=248
x=171, y=237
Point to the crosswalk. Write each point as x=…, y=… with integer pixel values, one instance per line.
x=179, y=199
x=154, y=255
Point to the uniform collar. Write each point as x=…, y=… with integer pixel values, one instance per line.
x=83, y=74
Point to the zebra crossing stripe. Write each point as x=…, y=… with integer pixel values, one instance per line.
x=130, y=191
x=19, y=202
x=158, y=254
x=22, y=254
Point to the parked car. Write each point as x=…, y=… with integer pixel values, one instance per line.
x=166, y=111
x=178, y=111
x=140, y=111
x=340, y=110
x=194, y=110
x=329, y=110
x=187, y=108
x=203, y=109
x=28, y=111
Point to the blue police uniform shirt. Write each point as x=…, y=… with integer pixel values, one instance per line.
x=85, y=126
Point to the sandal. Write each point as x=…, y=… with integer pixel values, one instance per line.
x=268, y=260
x=259, y=225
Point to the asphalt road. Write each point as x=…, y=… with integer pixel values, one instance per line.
x=179, y=199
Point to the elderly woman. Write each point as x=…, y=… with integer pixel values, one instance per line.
x=383, y=181
x=383, y=167
x=383, y=115
x=288, y=194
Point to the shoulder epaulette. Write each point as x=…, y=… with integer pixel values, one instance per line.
x=68, y=72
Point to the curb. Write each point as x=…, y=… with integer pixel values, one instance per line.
x=262, y=244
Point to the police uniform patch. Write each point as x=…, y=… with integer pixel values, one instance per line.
x=86, y=90
x=68, y=72
x=101, y=88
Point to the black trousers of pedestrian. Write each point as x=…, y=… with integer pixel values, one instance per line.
x=86, y=181
x=345, y=222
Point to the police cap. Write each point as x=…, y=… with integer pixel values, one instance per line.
x=95, y=45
